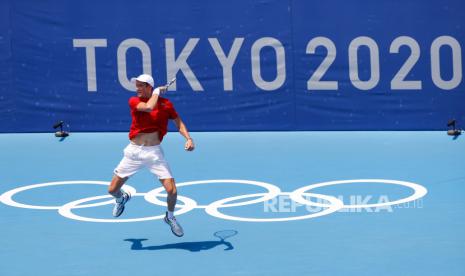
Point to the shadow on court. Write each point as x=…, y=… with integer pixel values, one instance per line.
x=190, y=246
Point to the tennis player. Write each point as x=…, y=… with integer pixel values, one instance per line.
x=150, y=114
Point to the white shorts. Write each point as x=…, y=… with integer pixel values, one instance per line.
x=138, y=157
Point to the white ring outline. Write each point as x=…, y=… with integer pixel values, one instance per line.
x=419, y=192
x=212, y=208
x=7, y=197
x=66, y=212
x=296, y=195
x=273, y=191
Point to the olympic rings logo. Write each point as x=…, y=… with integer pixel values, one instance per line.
x=187, y=204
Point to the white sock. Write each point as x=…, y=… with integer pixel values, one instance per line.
x=170, y=214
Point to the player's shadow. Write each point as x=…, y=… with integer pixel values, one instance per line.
x=190, y=246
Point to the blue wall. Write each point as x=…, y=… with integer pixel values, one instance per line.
x=240, y=65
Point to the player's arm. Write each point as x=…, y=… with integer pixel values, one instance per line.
x=189, y=146
x=152, y=102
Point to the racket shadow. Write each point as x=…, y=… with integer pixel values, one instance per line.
x=189, y=246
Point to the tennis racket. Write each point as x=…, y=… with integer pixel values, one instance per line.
x=170, y=82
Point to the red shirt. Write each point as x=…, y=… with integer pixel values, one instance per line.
x=156, y=120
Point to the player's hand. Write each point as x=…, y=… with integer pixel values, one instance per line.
x=189, y=146
x=160, y=90
x=163, y=89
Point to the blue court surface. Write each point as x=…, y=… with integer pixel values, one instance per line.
x=237, y=204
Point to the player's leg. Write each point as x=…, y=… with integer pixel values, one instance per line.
x=121, y=197
x=159, y=167
x=128, y=166
x=170, y=219
x=171, y=192
x=115, y=186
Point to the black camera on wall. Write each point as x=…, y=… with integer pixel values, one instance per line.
x=61, y=132
x=453, y=131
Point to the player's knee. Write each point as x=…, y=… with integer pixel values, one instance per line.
x=171, y=189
